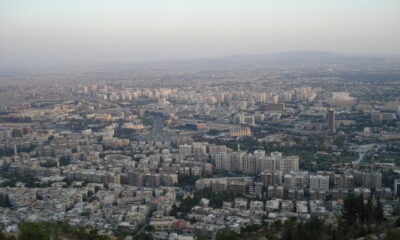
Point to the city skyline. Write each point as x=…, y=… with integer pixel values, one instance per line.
x=195, y=120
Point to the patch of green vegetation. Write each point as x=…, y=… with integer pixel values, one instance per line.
x=28, y=180
x=54, y=231
x=388, y=177
x=358, y=219
x=186, y=180
x=216, y=201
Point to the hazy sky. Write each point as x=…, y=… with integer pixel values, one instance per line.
x=40, y=32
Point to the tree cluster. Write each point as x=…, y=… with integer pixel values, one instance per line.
x=358, y=219
x=53, y=231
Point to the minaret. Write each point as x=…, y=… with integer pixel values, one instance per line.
x=15, y=152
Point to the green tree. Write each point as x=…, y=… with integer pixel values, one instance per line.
x=339, y=141
x=350, y=210
x=392, y=234
x=397, y=223
x=226, y=234
x=289, y=229
x=5, y=202
x=143, y=236
x=369, y=237
x=201, y=237
x=33, y=231
x=378, y=212
x=277, y=225
x=369, y=211
x=150, y=228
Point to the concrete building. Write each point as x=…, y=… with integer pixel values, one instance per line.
x=319, y=182
x=271, y=177
x=331, y=121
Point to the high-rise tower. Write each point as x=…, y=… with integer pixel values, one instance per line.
x=331, y=121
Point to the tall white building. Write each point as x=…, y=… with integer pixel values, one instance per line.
x=223, y=161
x=185, y=150
x=249, y=164
x=268, y=163
x=271, y=177
x=237, y=161
x=296, y=180
x=319, y=182
x=289, y=164
x=199, y=149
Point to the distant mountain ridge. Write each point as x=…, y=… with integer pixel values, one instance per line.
x=290, y=54
x=289, y=58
